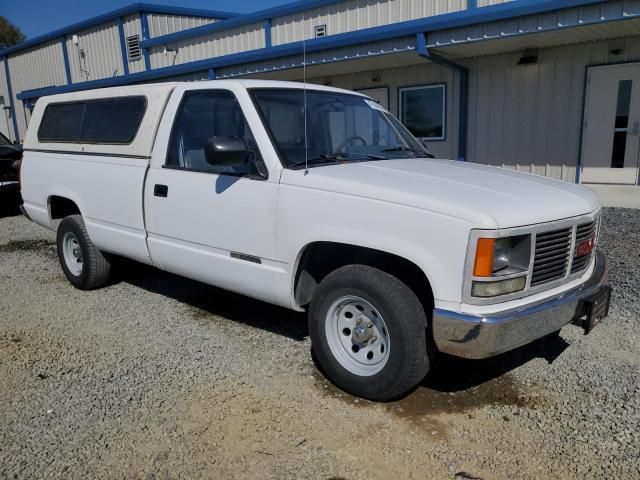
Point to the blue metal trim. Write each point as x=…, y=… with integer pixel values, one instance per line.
x=211, y=74
x=11, y=105
x=277, y=51
x=112, y=15
x=144, y=25
x=123, y=47
x=65, y=56
x=411, y=27
x=463, y=113
x=471, y=4
x=267, y=33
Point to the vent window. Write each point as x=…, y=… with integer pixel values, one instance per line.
x=133, y=47
x=321, y=31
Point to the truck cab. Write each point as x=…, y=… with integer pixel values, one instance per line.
x=318, y=199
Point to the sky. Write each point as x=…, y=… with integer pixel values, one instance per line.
x=37, y=17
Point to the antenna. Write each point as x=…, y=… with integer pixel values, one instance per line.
x=304, y=96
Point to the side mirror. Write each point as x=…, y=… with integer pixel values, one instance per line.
x=226, y=151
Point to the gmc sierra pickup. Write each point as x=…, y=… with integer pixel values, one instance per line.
x=316, y=198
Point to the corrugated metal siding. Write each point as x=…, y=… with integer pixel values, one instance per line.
x=102, y=49
x=248, y=37
x=132, y=26
x=557, y=27
x=486, y=3
x=161, y=24
x=396, y=45
x=5, y=121
x=33, y=68
x=353, y=15
x=528, y=117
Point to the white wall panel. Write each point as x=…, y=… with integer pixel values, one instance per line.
x=162, y=24
x=36, y=67
x=352, y=15
x=101, y=45
x=528, y=117
x=241, y=39
x=132, y=26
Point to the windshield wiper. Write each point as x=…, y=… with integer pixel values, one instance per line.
x=326, y=159
x=401, y=148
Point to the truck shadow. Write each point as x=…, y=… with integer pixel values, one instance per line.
x=448, y=375
x=209, y=302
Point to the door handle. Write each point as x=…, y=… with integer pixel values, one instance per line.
x=160, y=190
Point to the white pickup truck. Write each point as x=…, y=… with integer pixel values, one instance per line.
x=315, y=197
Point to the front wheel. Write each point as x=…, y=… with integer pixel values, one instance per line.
x=83, y=264
x=368, y=333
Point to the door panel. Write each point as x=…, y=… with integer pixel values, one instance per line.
x=207, y=221
x=203, y=218
x=611, y=136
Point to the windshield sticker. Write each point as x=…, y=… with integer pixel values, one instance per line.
x=374, y=105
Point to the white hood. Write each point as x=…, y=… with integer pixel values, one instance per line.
x=488, y=197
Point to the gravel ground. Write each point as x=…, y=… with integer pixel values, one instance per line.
x=158, y=377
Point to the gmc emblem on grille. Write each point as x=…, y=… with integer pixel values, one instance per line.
x=585, y=247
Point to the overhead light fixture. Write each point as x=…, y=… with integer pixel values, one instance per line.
x=529, y=57
x=616, y=51
x=376, y=78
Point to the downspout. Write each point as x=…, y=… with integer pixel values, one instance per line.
x=424, y=52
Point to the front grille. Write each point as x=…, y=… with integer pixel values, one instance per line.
x=583, y=232
x=551, y=259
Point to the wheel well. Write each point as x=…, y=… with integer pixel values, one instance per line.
x=60, y=207
x=321, y=258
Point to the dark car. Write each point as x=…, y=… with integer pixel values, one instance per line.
x=10, y=155
x=10, y=158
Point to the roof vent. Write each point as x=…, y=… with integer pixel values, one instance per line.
x=321, y=31
x=133, y=47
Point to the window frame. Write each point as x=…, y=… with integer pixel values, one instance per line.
x=441, y=85
x=259, y=157
x=82, y=141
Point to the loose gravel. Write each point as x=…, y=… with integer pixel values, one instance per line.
x=158, y=377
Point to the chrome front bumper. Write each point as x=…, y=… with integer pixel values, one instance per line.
x=472, y=336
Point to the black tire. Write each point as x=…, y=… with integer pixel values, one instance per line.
x=408, y=357
x=96, y=268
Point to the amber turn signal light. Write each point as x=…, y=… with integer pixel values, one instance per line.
x=483, y=265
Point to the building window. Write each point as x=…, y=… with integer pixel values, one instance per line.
x=321, y=31
x=422, y=111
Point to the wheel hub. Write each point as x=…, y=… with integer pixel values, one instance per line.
x=362, y=333
x=357, y=335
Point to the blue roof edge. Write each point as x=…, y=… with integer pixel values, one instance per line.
x=112, y=15
x=383, y=32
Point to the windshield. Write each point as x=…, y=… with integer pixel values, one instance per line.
x=339, y=128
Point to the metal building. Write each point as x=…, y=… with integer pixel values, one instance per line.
x=549, y=86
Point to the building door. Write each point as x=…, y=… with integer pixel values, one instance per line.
x=380, y=95
x=611, y=131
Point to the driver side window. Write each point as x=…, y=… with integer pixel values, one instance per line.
x=204, y=114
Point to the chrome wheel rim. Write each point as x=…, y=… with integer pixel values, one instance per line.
x=72, y=253
x=357, y=335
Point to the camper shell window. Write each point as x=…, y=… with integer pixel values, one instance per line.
x=105, y=121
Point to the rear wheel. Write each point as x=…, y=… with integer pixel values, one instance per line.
x=83, y=264
x=368, y=331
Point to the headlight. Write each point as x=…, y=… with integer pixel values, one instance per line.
x=500, y=265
